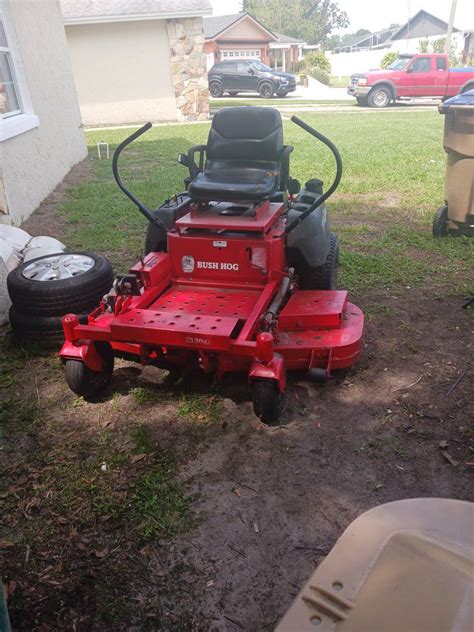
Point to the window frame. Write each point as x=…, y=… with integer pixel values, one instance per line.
x=19, y=121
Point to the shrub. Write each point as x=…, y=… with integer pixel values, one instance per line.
x=315, y=59
x=388, y=58
x=319, y=74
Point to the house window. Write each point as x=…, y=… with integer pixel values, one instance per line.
x=16, y=108
x=9, y=100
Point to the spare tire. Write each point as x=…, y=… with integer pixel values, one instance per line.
x=43, y=331
x=54, y=285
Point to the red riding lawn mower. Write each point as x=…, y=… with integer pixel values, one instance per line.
x=239, y=273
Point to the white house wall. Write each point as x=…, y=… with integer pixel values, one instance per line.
x=344, y=64
x=35, y=161
x=122, y=72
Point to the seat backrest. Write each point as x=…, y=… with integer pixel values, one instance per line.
x=253, y=134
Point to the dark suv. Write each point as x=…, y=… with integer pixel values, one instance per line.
x=242, y=75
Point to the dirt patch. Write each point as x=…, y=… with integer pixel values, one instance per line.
x=269, y=503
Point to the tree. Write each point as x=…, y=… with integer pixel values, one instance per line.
x=309, y=20
x=388, y=59
x=362, y=32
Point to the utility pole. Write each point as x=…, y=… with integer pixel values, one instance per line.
x=450, y=27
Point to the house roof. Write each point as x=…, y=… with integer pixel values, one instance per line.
x=404, y=30
x=216, y=25
x=286, y=39
x=90, y=11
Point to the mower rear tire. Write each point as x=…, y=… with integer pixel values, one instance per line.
x=267, y=401
x=232, y=93
x=440, y=222
x=155, y=239
x=31, y=292
x=266, y=90
x=42, y=331
x=85, y=382
x=362, y=102
x=322, y=277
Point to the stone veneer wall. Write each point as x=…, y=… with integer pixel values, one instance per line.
x=188, y=68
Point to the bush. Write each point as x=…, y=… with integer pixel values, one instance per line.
x=319, y=74
x=387, y=59
x=315, y=59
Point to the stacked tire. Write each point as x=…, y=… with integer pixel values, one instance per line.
x=44, y=289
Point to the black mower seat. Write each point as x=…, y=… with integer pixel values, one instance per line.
x=244, y=154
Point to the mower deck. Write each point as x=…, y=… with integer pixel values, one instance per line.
x=317, y=329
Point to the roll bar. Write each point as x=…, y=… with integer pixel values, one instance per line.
x=333, y=186
x=148, y=213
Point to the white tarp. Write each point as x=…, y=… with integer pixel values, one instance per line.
x=16, y=246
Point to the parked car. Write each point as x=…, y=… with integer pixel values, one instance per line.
x=421, y=75
x=249, y=76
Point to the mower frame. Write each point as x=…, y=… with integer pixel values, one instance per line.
x=223, y=299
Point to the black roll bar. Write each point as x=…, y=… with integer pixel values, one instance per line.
x=333, y=186
x=141, y=207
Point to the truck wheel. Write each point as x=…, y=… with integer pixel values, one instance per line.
x=267, y=401
x=470, y=86
x=322, y=277
x=362, y=101
x=265, y=90
x=85, y=382
x=379, y=97
x=57, y=284
x=216, y=90
x=440, y=222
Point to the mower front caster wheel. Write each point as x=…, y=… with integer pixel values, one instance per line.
x=85, y=382
x=267, y=401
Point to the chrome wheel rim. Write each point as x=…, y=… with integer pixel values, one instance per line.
x=58, y=267
x=380, y=98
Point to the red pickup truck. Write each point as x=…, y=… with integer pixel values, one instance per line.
x=420, y=75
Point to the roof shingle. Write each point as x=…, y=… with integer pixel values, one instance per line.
x=95, y=10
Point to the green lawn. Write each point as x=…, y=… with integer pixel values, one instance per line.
x=393, y=177
x=288, y=101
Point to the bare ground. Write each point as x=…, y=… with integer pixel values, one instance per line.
x=267, y=503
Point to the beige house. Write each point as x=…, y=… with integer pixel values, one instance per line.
x=138, y=60
x=40, y=126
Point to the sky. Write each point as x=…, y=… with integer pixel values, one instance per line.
x=377, y=14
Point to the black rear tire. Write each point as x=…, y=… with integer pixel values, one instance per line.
x=267, y=401
x=42, y=331
x=156, y=239
x=76, y=294
x=440, y=222
x=216, y=90
x=85, y=382
x=322, y=277
x=362, y=101
x=233, y=93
